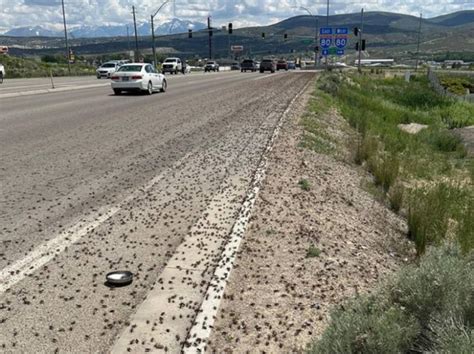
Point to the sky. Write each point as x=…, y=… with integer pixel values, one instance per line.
x=47, y=13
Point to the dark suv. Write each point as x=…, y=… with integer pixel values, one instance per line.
x=248, y=64
x=282, y=64
x=267, y=65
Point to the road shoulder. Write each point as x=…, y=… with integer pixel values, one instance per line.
x=317, y=237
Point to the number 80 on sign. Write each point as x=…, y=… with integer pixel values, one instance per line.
x=340, y=42
x=325, y=42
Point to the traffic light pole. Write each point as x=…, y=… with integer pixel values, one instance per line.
x=360, y=38
x=210, y=36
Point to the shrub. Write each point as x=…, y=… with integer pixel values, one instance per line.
x=428, y=216
x=442, y=140
x=429, y=307
x=368, y=325
x=385, y=171
x=432, y=209
x=367, y=148
x=395, y=197
x=458, y=115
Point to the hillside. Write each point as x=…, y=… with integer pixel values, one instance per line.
x=387, y=34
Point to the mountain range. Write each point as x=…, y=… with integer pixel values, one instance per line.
x=387, y=35
x=174, y=26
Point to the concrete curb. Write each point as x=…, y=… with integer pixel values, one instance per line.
x=44, y=91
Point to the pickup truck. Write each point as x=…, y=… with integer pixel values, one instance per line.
x=2, y=73
x=172, y=66
x=211, y=65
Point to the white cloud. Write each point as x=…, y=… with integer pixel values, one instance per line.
x=19, y=13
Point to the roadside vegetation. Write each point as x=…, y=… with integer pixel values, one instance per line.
x=459, y=85
x=42, y=67
x=426, y=177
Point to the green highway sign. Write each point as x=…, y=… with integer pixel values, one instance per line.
x=332, y=51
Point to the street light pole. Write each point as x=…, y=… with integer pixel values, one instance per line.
x=153, y=30
x=136, y=35
x=65, y=36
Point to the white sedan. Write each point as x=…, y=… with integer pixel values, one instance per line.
x=138, y=77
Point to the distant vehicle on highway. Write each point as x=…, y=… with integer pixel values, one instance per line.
x=267, y=65
x=257, y=65
x=172, y=66
x=248, y=64
x=3, y=49
x=282, y=64
x=2, y=73
x=138, y=77
x=108, y=68
x=235, y=66
x=211, y=65
x=291, y=65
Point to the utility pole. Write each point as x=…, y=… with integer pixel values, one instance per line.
x=153, y=41
x=65, y=37
x=128, y=40
x=418, y=44
x=209, y=30
x=136, y=35
x=360, y=38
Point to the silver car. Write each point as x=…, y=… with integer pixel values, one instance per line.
x=138, y=77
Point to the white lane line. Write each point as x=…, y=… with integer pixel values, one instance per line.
x=50, y=90
x=44, y=253
x=198, y=336
x=11, y=275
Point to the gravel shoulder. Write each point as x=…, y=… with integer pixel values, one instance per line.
x=278, y=299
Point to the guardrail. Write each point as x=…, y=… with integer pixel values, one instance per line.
x=433, y=78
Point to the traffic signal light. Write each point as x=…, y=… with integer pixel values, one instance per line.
x=230, y=28
x=285, y=36
x=362, y=46
x=356, y=31
x=263, y=35
x=190, y=33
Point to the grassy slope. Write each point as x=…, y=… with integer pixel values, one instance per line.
x=22, y=68
x=427, y=177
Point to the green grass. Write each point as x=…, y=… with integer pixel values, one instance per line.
x=375, y=107
x=425, y=307
x=313, y=252
x=25, y=68
x=304, y=184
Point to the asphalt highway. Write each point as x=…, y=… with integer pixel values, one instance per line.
x=91, y=182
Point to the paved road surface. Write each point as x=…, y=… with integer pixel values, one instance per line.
x=92, y=182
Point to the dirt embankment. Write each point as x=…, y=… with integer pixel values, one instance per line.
x=310, y=245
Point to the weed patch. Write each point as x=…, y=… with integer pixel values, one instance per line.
x=304, y=184
x=313, y=252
